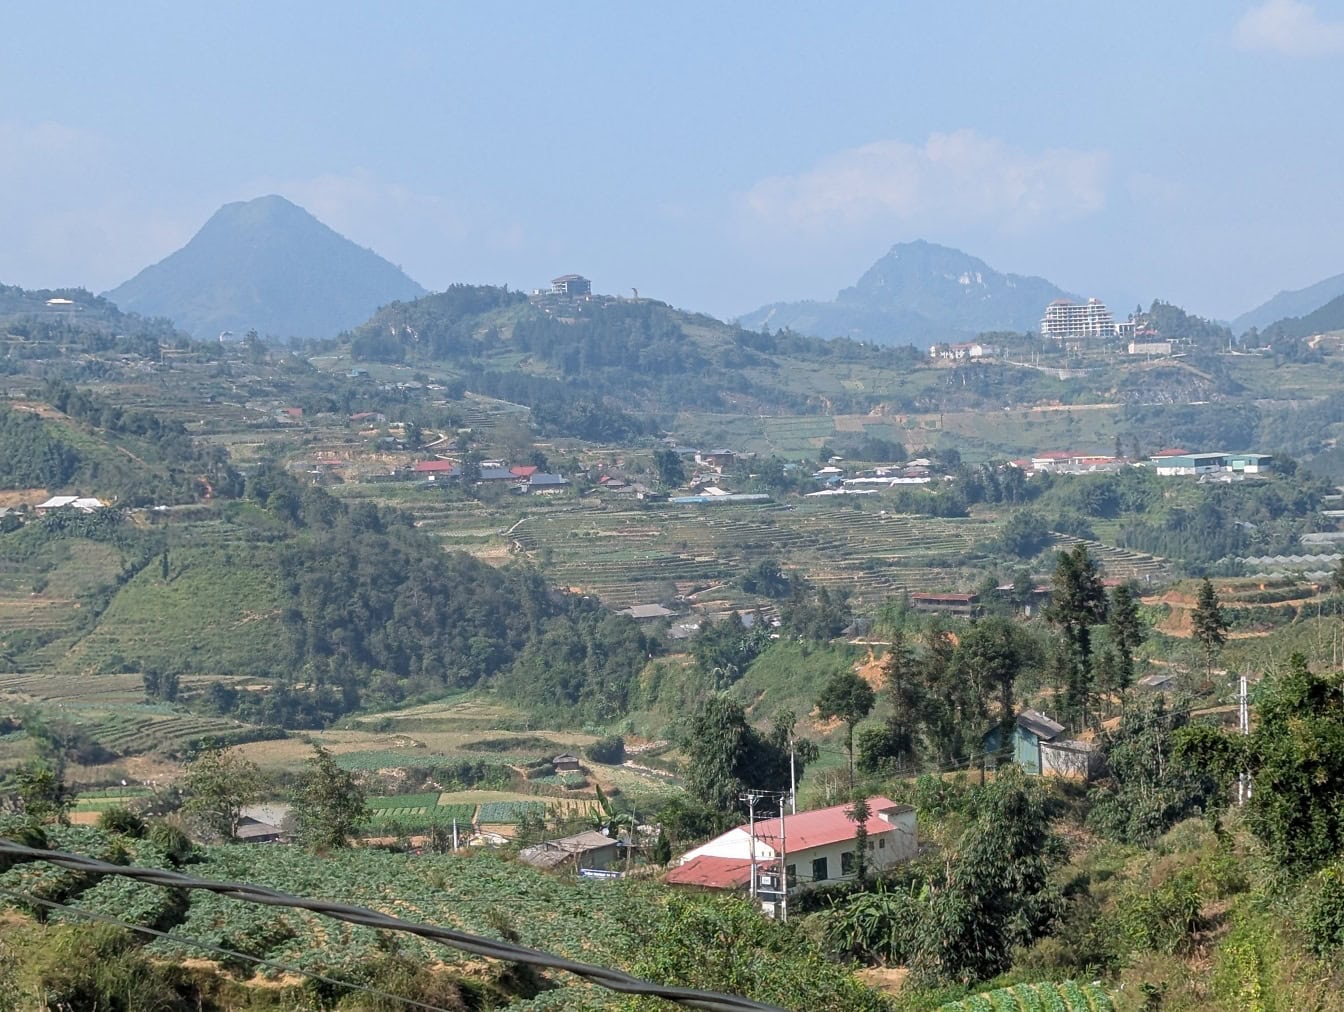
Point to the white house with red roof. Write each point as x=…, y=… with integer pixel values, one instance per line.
x=815, y=847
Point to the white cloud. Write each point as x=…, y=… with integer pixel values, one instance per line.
x=953, y=179
x=1289, y=27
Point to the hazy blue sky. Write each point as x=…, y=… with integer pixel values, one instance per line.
x=717, y=156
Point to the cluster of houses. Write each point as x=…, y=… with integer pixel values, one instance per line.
x=874, y=479
x=1218, y=464
x=521, y=478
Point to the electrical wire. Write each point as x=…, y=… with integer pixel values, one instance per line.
x=192, y=943
x=489, y=948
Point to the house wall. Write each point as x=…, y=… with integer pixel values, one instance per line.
x=1063, y=761
x=1027, y=750
x=602, y=857
x=884, y=850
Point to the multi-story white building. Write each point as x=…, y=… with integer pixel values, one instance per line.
x=1065, y=319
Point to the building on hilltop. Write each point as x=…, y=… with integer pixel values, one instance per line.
x=1170, y=464
x=1065, y=319
x=968, y=349
x=1040, y=748
x=572, y=285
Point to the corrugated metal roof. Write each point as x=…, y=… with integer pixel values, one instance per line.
x=711, y=873
x=1039, y=724
x=824, y=826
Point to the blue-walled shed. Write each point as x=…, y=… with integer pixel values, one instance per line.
x=1029, y=731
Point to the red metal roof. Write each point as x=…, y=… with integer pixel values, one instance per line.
x=1169, y=453
x=523, y=470
x=711, y=873
x=434, y=465
x=825, y=826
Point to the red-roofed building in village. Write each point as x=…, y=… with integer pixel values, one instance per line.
x=524, y=470
x=435, y=467
x=814, y=847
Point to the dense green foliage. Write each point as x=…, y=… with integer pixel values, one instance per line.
x=726, y=756
x=1146, y=792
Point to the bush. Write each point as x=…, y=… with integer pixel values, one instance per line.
x=1162, y=919
x=123, y=821
x=1321, y=907
x=608, y=751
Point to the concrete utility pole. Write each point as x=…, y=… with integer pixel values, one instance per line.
x=750, y=798
x=1244, y=723
x=793, y=781
x=783, y=865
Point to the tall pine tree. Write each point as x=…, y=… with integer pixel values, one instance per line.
x=1078, y=602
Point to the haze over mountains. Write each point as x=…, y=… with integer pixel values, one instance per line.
x=1301, y=302
x=919, y=293
x=270, y=266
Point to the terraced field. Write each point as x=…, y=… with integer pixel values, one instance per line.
x=632, y=556
x=1120, y=563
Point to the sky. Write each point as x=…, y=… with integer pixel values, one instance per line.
x=715, y=156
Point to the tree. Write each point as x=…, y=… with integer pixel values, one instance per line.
x=858, y=814
x=725, y=755
x=329, y=804
x=880, y=748
x=1078, y=602
x=42, y=795
x=1294, y=756
x=671, y=473
x=1025, y=534
x=1126, y=633
x=1146, y=792
x=219, y=782
x=989, y=657
x=1208, y=623
x=849, y=698
x=997, y=892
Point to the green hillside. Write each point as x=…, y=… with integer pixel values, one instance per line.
x=217, y=613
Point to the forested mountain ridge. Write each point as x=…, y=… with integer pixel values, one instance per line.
x=1297, y=303
x=635, y=355
x=1327, y=318
x=270, y=266
x=920, y=293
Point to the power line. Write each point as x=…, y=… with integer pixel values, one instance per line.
x=193, y=943
x=489, y=948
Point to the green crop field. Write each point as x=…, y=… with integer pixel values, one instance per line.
x=225, y=603
x=1065, y=996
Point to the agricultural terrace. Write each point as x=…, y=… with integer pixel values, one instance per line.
x=634, y=556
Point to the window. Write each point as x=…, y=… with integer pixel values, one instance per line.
x=819, y=870
x=847, y=863
x=791, y=872
x=881, y=843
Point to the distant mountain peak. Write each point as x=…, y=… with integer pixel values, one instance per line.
x=1291, y=304
x=919, y=292
x=266, y=265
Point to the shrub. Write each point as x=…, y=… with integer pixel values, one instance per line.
x=1162, y=919
x=609, y=751
x=1322, y=910
x=123, y=821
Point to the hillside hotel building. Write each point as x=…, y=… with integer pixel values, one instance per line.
x=1065, y=319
